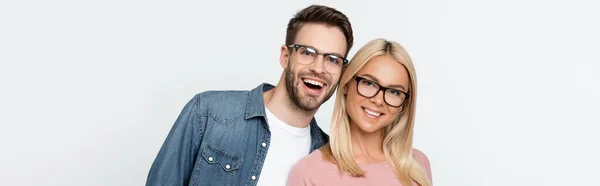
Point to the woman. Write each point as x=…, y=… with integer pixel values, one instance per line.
x=372, y=125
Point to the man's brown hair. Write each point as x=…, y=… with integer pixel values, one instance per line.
x=320, y=14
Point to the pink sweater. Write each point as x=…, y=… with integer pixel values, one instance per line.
x=312, y=170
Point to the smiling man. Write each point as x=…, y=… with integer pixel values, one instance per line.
x=255, y=137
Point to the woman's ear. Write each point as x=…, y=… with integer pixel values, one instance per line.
x=345, y=87
x=402, y=109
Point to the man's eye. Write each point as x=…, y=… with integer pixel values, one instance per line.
x=333, y=59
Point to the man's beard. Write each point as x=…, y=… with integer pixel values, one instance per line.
x=303, y=104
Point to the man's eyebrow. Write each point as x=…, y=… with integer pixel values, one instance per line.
x=335, y=54
x=373, y=78
x=319, y=51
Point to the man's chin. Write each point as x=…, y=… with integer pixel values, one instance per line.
x=309, y=103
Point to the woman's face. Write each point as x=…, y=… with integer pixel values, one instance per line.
x=373, y=114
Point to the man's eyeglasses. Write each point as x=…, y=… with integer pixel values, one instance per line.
x=307, y=55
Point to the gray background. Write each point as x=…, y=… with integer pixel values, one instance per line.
x=507, y=89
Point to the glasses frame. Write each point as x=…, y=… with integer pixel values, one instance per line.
x=297, y=46
x=381, y=88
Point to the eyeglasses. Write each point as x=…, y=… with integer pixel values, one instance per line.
x=307, y=55
x=370, y=89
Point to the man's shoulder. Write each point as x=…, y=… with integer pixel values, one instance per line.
x=319, y=136
x=223, y=95
x=222, y=104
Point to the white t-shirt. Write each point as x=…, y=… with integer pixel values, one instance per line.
x=288, y=145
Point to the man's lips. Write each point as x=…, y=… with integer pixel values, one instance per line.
x=314, y=81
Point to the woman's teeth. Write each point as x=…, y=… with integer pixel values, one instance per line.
x=372, y=113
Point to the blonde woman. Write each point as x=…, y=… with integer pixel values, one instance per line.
x=372, y=125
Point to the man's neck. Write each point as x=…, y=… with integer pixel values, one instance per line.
x=279, y=103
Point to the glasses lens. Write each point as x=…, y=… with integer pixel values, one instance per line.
x=333, y=63
x=305, y=55
x=367, y=88
x=394, y=97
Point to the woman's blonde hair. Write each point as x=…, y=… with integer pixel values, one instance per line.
x=398, y=136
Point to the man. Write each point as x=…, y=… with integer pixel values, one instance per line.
x=255, y=137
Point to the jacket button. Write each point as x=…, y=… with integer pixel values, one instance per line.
x=227, y=166
x=210, y=158
x=264, y=144
x=253, y=177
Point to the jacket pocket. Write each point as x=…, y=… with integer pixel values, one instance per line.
x=215, y=167
x=216, y=157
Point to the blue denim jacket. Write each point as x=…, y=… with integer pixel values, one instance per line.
x=220, y=138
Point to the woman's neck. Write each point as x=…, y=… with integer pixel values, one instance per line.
x=368, y=146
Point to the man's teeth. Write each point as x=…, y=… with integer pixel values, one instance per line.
x=373, y=113
x=313, y=82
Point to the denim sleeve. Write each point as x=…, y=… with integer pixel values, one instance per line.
x=175, y=161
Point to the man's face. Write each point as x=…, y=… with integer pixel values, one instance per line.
x=310, y=85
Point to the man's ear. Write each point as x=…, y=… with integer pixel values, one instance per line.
x=284, y=56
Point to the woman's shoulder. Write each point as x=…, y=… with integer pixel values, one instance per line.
x=314, y=159
x=422, y=160
x=420, y=156
x=309, y=169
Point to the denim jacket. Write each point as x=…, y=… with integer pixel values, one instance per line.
x=220, y=138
